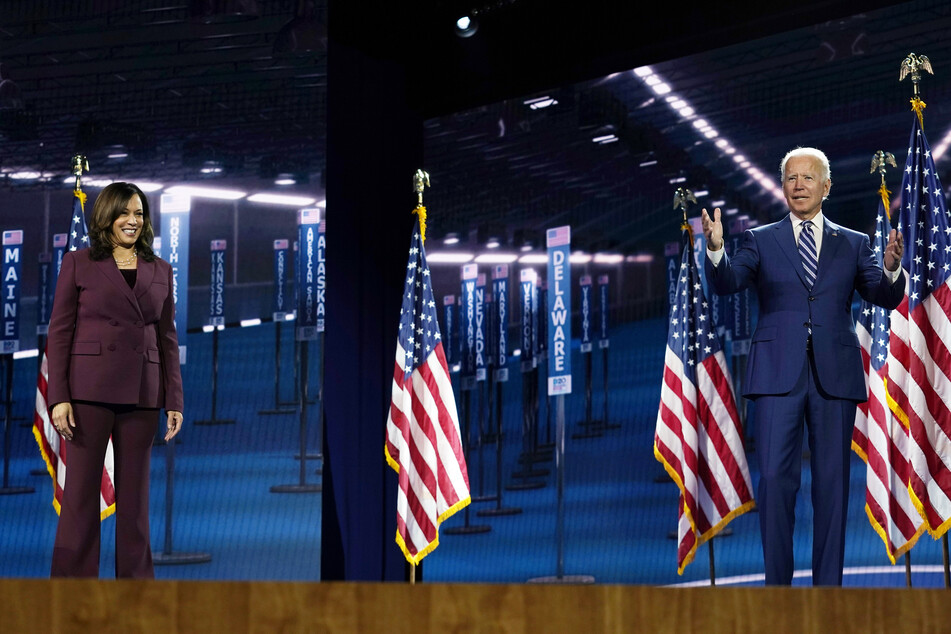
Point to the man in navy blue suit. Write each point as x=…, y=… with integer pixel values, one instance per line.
x=805, y=363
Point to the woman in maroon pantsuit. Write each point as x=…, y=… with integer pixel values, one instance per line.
x=113, y=364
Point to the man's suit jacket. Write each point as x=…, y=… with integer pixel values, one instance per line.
x=769, y=262
x=111, y=343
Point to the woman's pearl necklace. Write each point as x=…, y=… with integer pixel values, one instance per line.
x=127, y=262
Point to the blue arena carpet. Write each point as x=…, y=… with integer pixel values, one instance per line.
x=617, y=515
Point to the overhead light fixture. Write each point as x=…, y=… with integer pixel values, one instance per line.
x=24, y=175
x=211, y=168
x=496, y=258
x=700, y=193
x=466, y=26
x=604, y=138
x=250, y=322
x=281, y=199
x=608, y=258
x=493, y=243
x=534, y=258
x=206, y=192
x=449, y=257
x=580, y=257
x=539, y=103
x=640, y=258
x=285, y=179
x=525, y=248
x=451, y=239
x=148, y=187
x=648, y=163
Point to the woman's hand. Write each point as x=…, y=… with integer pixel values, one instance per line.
x=174, y=425
x=63, y=419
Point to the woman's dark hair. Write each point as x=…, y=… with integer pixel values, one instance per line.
x=110, y=203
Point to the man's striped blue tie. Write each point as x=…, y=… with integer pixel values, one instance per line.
x=807, y=251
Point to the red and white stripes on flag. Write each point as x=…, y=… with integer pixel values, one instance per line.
x=423, y=443
x=882, y=442
x=919, y=393
x=919, y=354
x=55, y=451
x=698, y=437
x=878, y=437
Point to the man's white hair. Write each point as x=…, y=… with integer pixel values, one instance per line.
x=825, y=173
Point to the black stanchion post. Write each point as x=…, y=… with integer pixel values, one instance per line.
x=320, y=398
x=604, y=345
x=593, y=427
x=604, y=372
x=559, y=383
x=482, y=411
x=8, y=400
x=560, y=576
x=168, y=556
x=216, y=321
x=279, y=314
x=499, y=509
x=467, y=385
x=277, y=375
x=214, y=420
x=528, y=413
x=536, y=452
x=713, y=566
x=481, y=353
x=301, y=486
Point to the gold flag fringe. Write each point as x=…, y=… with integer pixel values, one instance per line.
x=884, y=193
x=919, y=107
x=421, y=212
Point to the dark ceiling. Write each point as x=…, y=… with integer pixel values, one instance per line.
x=504, y=167
x=241, y=85
x=238, y=88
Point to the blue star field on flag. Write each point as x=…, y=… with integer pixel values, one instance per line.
x=419, y=328
x=875, y=318
x=78, y=235
x=692, y=333
x=927, y=234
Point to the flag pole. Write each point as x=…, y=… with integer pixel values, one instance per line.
x=912, y=66
x=682, y=197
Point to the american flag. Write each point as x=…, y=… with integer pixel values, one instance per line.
x=878, y=437
x=919, y=363
x=698, y=438
x=423, y=443
x=53, y=447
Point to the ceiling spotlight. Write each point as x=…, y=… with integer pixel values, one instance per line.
x=285, y=179
x=450, y=239
x=493, y=243
x=466, y=26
